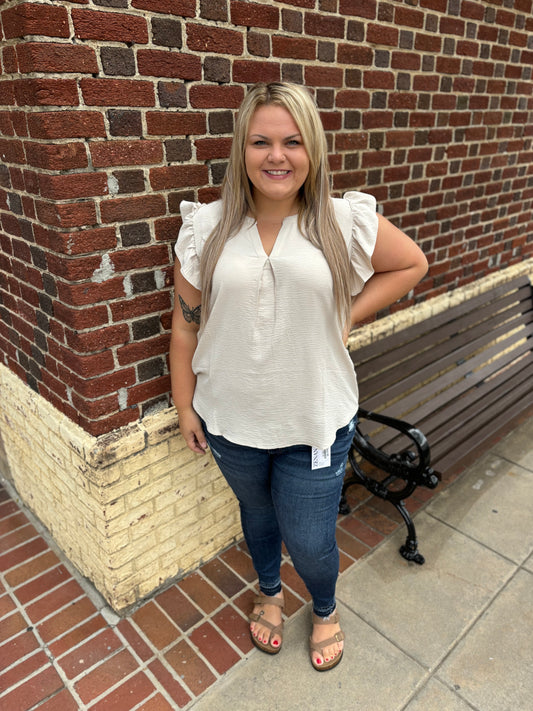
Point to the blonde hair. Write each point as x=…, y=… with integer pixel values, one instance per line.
x=316, y=216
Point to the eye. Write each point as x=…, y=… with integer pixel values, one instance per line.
x=294, y=142
x=259, y=142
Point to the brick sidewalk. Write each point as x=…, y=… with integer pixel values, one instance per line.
x=62, y=648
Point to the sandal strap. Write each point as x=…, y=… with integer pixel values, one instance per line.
x=274, y=629
x=319, y=646
x=268, y=600
x=258, y=616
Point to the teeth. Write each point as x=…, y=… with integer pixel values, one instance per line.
x=277, y=172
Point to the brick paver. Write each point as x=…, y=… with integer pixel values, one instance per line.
x=179, y=608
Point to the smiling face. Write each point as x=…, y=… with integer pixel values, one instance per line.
x=276, y=160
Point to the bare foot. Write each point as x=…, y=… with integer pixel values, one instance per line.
x=322, y=632
x=272, y=614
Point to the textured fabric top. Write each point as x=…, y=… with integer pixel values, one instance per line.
x=271, y=367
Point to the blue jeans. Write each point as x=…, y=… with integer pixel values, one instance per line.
x=282, y=498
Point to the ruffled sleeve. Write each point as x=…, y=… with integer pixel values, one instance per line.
x=199, y=220
x=186, y=247
x=364, y=230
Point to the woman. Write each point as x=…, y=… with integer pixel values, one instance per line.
x=268, y=282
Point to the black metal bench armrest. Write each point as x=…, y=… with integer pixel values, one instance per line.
x=405, y=464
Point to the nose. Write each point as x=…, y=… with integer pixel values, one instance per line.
x=276, y=154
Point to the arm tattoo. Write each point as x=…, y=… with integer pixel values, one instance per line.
x=190, y=315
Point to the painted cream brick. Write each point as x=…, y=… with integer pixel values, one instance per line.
x=215, y=502
x=184, y=483
x=59, y=453
x=103, y=476
x=210, y=475
x=211, y=540
x=150, y=579
x=172, y=543
x=121, y=560
x=128, y=519
x=160, y=470
x=126, y=590
x=76, y=439
x=150, y=558
x=161, y=427
x=121, y=539
x=115, y=446
x=48, y=425
x=181, y=453
x=149, y=583
x=228, y=515
x=187, y=507
x=150, y=491
x=144, y=527
x=112, y=510
x=181, y=525
x=106, y=523
x=183, y=559
x=142, y=462
x=162, y=502
x=123, y=588
x=126, y=485
x=32, y=435
x=125, y=481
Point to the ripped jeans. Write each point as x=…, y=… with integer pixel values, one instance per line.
x=283, y=499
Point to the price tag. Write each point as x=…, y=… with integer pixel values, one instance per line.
x=320, y=458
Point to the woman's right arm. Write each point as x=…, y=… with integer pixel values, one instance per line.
x=183, y=341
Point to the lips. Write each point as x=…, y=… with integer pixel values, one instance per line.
x=277, y=173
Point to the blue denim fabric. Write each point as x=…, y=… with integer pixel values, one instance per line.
x=282, y=499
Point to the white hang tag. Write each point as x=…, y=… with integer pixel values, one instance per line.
x=320, y=458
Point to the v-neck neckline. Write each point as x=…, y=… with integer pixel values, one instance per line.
x=259, y=242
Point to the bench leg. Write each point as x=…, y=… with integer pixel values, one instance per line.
x=409, y=550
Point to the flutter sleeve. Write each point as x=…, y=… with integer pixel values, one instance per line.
x=186, y=245
x=363, y=238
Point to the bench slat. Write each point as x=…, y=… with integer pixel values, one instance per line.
x=475, y=411
x=507, y=407
x=415, y=354
x=454, y=349
x=433, y=416
x=434, y=323
x=384, y=397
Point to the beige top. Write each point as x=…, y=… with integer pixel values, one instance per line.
x=271, y=367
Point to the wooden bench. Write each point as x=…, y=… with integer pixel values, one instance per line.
x=459, y=377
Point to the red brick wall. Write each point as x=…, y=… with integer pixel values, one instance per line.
x=113, y=111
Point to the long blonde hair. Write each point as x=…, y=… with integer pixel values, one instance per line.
x=316, y=216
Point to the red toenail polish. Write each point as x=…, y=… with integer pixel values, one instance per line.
x=319, y=661
x=275, y=643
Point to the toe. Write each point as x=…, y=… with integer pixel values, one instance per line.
x=328, y=654
x=263, y=635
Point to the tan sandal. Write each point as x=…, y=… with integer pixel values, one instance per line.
x=274, y=629
x=320, y=646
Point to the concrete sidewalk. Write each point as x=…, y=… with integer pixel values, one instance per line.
x=453, y=635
